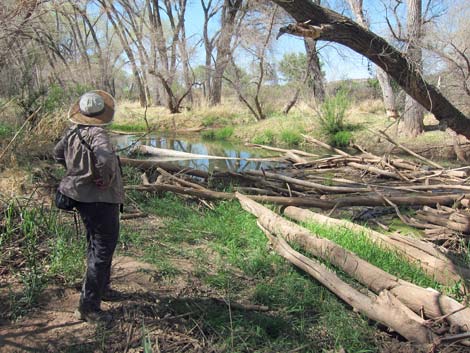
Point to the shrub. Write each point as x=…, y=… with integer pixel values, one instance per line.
x=219, y=134
x=266, y=138
x=209, y=120
x=341, y=138
x=291, y=137
x=332, y=113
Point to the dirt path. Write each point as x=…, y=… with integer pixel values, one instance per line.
x=146, y=305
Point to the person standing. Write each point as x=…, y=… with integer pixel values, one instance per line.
x=94, y=184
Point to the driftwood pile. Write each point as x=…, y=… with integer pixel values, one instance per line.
x=341, y=180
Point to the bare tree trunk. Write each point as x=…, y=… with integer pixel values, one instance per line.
x=414, y=112
x=119, y=28
x=314, y=75
x=384, y=81
x=337, y=28
x=229, y=14
x=209, y=13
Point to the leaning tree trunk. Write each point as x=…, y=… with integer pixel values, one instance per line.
x=337, y=28
x=384, y=81
x=414, y=112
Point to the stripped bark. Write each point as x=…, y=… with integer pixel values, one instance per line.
x=384, y=308
x=307, y=201
x=432, y=261
x=432, y=303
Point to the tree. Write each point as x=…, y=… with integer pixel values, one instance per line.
x=384, y=81
x=331, y=26
x=257, y=46
x=293, y=66
x=414, y=113
x=230, y=22
x=297, y=70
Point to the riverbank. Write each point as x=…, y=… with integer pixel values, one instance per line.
x=194, y=276
x=285, y=130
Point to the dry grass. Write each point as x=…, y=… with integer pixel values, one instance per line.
x=131, y=113
x=13, y=182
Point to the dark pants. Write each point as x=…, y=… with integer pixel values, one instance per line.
x=102, y=225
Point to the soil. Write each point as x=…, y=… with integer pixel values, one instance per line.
x=146, y=302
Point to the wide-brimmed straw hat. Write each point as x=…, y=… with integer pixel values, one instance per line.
x=95, y=108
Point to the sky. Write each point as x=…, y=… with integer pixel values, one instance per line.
x=339, y=61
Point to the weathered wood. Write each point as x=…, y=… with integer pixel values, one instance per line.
x=407, y=150
x=423, y=254
x=306, y=201
x=164, y=152
x=432, y=303
x=276, y=149
x=384, y=308
x=444, y=221
x=375, y=170
x=308, y=184
x=179, y=180
x=148, y=164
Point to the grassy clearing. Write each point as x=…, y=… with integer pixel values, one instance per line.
x=223, y=242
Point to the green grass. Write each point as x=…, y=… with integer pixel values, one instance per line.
x=265, y=138
x=341, y=139
x=128, y=127
x=361, y=245
x=222, y=134
x=6, y=130
x=291, y=137
x=48, y=250
x=301, y=308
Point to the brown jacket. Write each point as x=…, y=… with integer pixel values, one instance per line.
x=92, y=176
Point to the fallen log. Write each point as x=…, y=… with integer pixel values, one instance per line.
x=276, y=149
x=432, y=303
x=444, y=221
x=308, y=184
x=384, y=308
x=448, y=199
x=433, y=262
x=407, y=150
x=149, y=164
x=164, y=153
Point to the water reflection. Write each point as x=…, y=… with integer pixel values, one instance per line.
x=196, y=146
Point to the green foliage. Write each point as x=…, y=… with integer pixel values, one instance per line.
x=135, y=127
x=360, y=244
x=222, y=134
x=48, y=251
x=52, y=98
x=292, y=66
x=341, y=139
x=333, y=111
x=374, y=84
x=67, y=251
x=6, y=130
x=300, y=307
x=291, y=137
x=266, y=138
x=209, y=120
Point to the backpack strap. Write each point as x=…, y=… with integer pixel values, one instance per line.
x=82, y=140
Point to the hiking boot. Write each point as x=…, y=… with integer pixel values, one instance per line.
x=93, y=316
x=111, y=295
